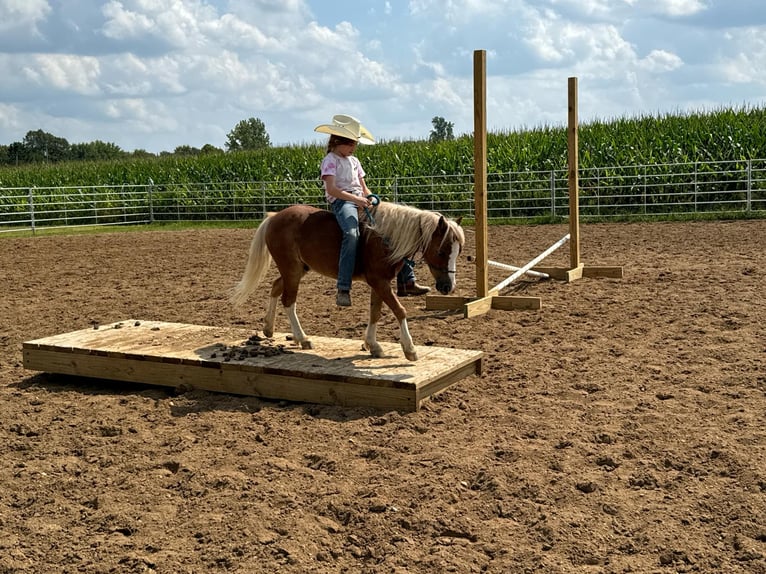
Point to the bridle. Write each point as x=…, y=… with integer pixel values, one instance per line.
x=442, y=269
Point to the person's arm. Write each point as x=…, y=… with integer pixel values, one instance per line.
x=365, y=190
x=336, y=192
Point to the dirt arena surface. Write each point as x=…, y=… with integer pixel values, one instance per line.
x=621, y=428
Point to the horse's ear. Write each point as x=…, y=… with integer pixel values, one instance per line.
x=459, y=219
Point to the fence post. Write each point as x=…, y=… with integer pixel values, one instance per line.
x=510, y=194
x=151, y=200
x=263, y=200
x=553, y=194
x=31, y=201
x=695, y=187
x=598, y=191
x=644, y=188
x=749, y=185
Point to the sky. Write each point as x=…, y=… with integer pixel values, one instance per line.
x=158, y=74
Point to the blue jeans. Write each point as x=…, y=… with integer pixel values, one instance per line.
x=348, y=218
x=406, y=274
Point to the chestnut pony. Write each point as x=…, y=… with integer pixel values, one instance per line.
x=301, y=238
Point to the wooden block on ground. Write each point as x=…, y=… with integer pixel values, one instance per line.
x=224, y=359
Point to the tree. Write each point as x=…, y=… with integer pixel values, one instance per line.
x=17, y=153
x=42, y=146
x=142, y=153
x=248, y=134
x=210, y=149
x=186, y=150
x=442, y=130
x=95, y=150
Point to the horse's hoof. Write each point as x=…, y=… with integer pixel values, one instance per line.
x=268, y=333
x=411, y=356
x=376, y=351
x=306, y=345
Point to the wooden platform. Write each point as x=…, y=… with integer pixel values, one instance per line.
x=335, y=371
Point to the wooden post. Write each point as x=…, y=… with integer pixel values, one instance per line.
x=573, y=180
x=480, y=169
x=489, y=298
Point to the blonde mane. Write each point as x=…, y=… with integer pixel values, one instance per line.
x=408, y=230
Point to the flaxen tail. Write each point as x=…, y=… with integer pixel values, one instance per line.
x=258, y=263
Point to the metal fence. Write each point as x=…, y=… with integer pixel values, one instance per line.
x=662, y=190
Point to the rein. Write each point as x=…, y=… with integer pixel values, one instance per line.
x=374, y=200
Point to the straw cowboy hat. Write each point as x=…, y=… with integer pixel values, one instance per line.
x=347, y=127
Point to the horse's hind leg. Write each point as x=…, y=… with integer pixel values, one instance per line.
x=271, y=308
x=370, y=335
x=277, y=291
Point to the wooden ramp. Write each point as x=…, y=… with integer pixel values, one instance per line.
x=223, y=359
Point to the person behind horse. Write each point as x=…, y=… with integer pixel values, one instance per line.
x=347, y=192
x=406, y=283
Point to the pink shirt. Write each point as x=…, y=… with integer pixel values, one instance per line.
x=347, y=171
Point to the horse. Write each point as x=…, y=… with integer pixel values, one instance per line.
x=302, y=238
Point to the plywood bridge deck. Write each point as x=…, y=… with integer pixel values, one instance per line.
x=224, y=359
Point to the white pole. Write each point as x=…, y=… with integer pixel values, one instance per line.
x=532, y=263
x=514, y=268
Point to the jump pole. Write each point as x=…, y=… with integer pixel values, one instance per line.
x=507, y=267
x=528, y=267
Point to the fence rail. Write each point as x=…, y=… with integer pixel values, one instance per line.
x=621, y=191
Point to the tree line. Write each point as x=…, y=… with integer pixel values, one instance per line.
x=39, y=146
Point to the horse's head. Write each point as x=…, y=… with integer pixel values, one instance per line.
x=442, y=252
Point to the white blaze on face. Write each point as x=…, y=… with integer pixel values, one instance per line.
x=452, y=265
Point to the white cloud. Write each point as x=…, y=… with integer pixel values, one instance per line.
x=24, y=14
x=65, y=73
x=122, y=24
x=175, y=22
x=589, y=46
x=661, y=61
x=461, y=10
x=9, y=117
x=745, y=59
x=670, y=7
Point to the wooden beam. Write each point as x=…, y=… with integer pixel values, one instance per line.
x=573, y=179
x=480, y=169
x=602, y=271
x=563, y=273
x=477, y=307
x=516, y=302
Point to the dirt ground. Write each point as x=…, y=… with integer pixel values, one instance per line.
x=621, y=428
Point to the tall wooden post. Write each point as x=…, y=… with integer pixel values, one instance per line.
x=490, y=298
x=480, y=169
x=574, y=182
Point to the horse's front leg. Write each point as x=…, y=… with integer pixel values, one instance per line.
x=299, y=336
x=382, y=293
